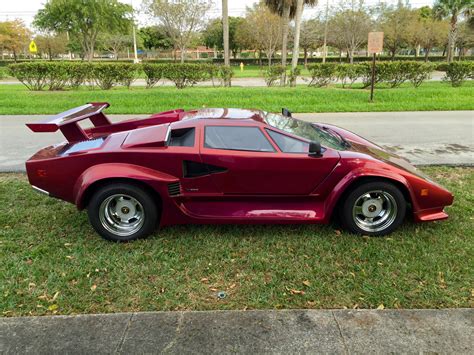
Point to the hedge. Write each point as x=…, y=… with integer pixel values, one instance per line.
x=59, y=75
x=458, y=72
x=359, y=59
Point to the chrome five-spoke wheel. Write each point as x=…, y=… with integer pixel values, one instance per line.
x=374, y=211
x=373, y=208
x=121, y=214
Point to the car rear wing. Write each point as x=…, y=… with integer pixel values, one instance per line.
x=68, y=121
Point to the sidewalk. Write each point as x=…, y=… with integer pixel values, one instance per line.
x=221, y=332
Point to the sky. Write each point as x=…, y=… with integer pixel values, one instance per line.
x=26, y=9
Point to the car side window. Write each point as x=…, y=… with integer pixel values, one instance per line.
x=182, y=137
x=236, y=138
x=288, y=144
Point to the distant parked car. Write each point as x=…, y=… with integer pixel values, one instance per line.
x=226, y=166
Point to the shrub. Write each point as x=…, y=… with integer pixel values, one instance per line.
x=293, y=75
x=419, y=72
x=349, y=73
x=107, y=75
x=79, y=73
x=273, y=73
x=211, y=72
x=3, y=73
x=458, y=72
x=322, y=74
x=184, y=74
x=33, y=75
x=225, y=74
x=153, y=73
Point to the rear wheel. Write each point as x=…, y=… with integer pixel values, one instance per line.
x=122, y=212
x=375, y=208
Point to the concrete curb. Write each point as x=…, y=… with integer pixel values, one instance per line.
x=270, y=331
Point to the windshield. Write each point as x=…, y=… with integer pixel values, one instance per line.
x=305, y=130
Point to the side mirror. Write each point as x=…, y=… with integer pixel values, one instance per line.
x=315, y=150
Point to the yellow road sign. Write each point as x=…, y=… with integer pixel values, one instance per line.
x=33, y=48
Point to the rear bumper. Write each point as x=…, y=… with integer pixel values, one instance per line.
x=432, y=214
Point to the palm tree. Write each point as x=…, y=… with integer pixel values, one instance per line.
x=289, y=9
x=453, y=9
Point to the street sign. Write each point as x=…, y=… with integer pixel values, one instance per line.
x=33, y=48
x=375, y=42
x=374, y=46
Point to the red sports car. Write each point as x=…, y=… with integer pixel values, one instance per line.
x=226, y=166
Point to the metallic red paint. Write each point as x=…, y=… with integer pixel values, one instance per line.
x=257, y=187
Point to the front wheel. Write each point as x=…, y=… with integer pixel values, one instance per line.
x=122, y=212
x=375, y=208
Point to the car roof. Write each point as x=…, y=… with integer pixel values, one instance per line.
x=224, y=113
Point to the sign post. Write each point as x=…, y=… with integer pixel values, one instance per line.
x=374, y=46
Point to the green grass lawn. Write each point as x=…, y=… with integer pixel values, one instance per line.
x=53, y=262
x=17, y=100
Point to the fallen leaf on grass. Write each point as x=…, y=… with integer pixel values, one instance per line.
x=232, y=286
x=205, y=280
x=338, y=232
x=381, y=306
x=93, y=287
x=306, y=283
x=53, y=307
x=55, y=296
x=297, y=292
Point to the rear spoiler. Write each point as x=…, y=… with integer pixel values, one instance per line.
x=68, y=121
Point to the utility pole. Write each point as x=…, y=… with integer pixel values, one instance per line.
x=325, y=32
x=135, y=59
x=225, y=30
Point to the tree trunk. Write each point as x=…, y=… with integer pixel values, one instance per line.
x=14, y=54
x=351, y=56
x=427, y=53
x=305, y=57
x=417, y=51
x=183, y=54
x=296, y=42
x=285, y=26
x=452, y=38
x=225, y=31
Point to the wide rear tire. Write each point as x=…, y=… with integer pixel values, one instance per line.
x=122, y=212
x=375, y=208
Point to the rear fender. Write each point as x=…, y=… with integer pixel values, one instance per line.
x=356, y=174
x=156, y=180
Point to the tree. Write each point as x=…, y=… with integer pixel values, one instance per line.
x=155, y=37
x=465, y=37
x=114, y=43
x=265, y=28
x=85, y=19
x=351, y=25
x=289, y=9
x=181, y=19
x=311, y=37
x=14, y=36
x=213, y=36
x=427, y=31
x=395, y=23
x=296, y=41
x=51, y=44
x=453, y=9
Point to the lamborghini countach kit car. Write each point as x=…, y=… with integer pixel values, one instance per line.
x=226, y=166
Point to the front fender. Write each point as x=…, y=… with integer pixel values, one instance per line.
x=155, y=179
x=355, y=174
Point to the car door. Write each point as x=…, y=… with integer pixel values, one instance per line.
x=252, y=163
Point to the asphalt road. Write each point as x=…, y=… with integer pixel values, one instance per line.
x=439, y=331
x=423, y=137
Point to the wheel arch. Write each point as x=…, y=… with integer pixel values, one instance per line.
x=152, y=181
x=96, y=185
x=358, y=180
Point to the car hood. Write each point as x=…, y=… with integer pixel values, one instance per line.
x=361, y=145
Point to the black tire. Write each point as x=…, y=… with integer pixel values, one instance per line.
x=385, y=197
x=127, y=200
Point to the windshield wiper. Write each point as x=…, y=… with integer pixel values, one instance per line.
x=339, y=136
